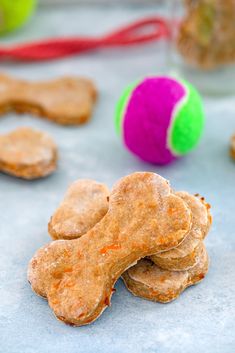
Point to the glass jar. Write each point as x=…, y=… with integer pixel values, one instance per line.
x=203, y=49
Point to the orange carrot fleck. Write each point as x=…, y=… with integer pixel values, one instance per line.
x=105, y=249
x=68, y=269
x=171, y=210
x=54, y=301
x=79, y=253
x=56, y=284
x=70, y=284
x=162, y=278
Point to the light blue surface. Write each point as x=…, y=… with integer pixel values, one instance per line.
x=202, y=319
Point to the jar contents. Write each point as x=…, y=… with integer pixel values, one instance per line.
x=207, y=33
x=205, y=39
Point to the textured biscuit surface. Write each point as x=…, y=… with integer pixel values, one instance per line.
x=77, y=276
x=149, y=281
x=187, y=254
x=27, y=153
x=65, y=100
x=84, y=205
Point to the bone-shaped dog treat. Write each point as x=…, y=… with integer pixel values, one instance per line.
x=77, y=276
x=84, y=205
x=27, y=153
x=149, y=281
x=187, y=254
x=66, y=100
x=71, y=213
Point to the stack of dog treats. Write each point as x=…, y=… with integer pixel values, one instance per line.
x=143, y=231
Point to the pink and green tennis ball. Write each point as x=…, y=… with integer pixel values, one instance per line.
x=14, y=13
x=160, y=118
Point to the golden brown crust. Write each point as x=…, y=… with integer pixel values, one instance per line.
x=186, y=255
x=27, y=153
x=81, y=210
x=85, y=204
x=149, y=281
x=66, y=100
x=77, y=276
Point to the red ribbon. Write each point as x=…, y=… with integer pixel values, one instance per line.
x=142, y=31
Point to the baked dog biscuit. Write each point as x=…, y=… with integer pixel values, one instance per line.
x=77, y=276
x=84, y=205
x=66, y=100
x=187, y=254
x=232, y=147
x=27, y=153
x=149, y=281
x=82, y=209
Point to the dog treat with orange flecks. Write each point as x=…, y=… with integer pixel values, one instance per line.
x=187, y=254
x=147, y=280
x=77, y=276
x=81, y=210
x=84, y=205
x=65, y=100
x=27, y=153
x=206, y=33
